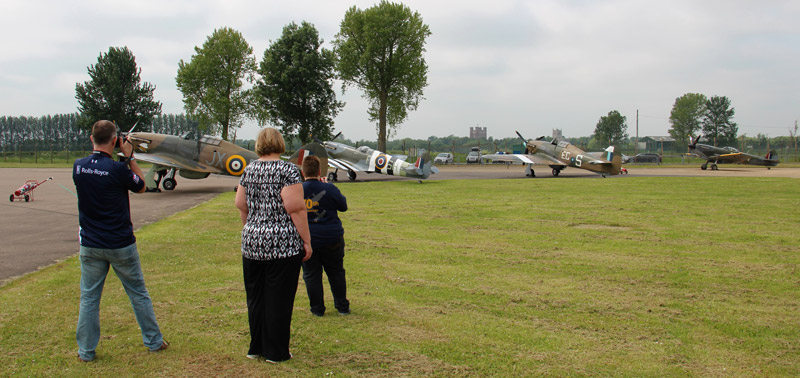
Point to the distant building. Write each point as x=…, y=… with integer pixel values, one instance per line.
x=656, y=143
x=477, y=132
x=557, y=134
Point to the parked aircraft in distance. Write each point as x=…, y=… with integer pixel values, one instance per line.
x=364, y=159
x=191, y=159
x=719, y=155
x=561, y=154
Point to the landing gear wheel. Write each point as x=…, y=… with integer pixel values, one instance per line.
x=11, y=198
x=529, y=171
x=169, y=184
x=27, y=198
x=556, y=172
x=351, y=175
x=704, y=166
x=332, y=177
x=714, y=167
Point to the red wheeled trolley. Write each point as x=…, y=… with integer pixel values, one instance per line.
x=25, y=192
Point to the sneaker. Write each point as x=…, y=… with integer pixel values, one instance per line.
x=346, y=312
x=82, y=360
x=253, y=356
x=319, y=314
x=275, y=362
x=164, y=345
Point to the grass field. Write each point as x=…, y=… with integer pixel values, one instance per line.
x=575, y=277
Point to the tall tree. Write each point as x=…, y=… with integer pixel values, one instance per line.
x=380, y=51
x=212, y=82
x=717, y=121
x=611, y=129
x=295, y=90
x=686, y=115
x=115, y=92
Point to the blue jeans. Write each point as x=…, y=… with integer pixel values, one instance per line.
x=94, y=269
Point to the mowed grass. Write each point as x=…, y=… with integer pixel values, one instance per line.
x=549, y=277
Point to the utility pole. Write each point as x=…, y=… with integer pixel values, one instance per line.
x=636, y=143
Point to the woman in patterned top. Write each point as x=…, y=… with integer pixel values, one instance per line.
x=275, y=242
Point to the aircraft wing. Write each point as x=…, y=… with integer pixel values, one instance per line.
x=401, y=157
x=737, y=157
x=343, y=164
x=175, y=163
x=537, y=159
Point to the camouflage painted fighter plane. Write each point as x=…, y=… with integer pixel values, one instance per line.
x=719, y=155
x=364, y=159
x=191, y=159
x=559, y=155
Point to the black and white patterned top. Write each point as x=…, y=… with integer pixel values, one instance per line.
x=269, y=232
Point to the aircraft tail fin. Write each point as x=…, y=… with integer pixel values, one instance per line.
x=615, y=159
x=771, y=155
x=424, y=164
x=311, y=149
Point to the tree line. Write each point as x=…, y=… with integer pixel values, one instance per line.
x=378, y=50
x=64, y=132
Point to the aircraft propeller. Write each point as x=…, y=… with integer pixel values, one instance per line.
x=693, y=141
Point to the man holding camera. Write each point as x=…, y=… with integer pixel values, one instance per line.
x=106, y=237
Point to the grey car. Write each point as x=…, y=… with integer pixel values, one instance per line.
x=474, y=156
x=647, y=158
x=443, y=158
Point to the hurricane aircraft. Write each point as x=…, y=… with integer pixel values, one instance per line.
x=560, y=154
x=191, y=159
x=718, y=155
x=364, y=159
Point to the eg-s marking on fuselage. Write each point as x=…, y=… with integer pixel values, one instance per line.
x=718, y=155
x=340, y=156
x=560, y=154
x=191, y=159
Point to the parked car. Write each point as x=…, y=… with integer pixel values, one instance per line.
x=474, y=156
x=647, y=158
x=626, y=159
x=443, y=158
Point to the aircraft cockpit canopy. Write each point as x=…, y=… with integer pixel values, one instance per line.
x=212, y=140
x=363, y=149
x=732, y=150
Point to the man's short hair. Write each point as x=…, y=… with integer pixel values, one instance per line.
x=311, y=166
x=269, y=141
x=103, y=131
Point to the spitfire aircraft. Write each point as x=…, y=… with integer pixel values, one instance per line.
x=191, y=159
x=561, y=154
x=364, y=159
x=718, y=155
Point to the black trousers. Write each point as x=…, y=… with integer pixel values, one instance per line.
x=271, y=286
x=330, y=258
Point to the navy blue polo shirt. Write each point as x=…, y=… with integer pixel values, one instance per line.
x=323, y=202
x=104, y=211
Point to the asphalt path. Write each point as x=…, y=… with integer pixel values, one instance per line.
x=41, y=232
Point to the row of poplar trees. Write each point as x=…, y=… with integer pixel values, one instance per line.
x=64, y=132
x=378, y=50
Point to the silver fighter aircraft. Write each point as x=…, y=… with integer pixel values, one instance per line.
x=364, y=159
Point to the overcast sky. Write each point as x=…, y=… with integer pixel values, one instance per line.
x=506, y=65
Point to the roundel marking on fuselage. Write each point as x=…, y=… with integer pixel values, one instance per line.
x=235, y=165
x=380, y=161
